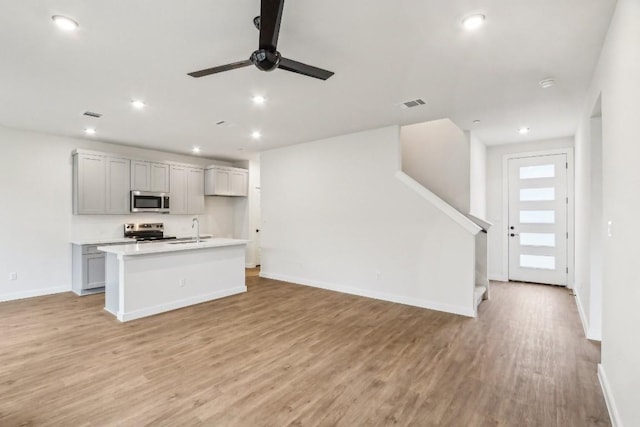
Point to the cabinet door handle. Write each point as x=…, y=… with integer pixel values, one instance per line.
x=514, y=234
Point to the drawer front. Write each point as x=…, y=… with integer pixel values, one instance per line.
x=90, y=249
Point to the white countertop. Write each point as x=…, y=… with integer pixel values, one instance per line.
x=124, y=240
x=172, y=246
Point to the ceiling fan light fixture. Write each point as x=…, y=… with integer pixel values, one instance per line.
x=473, y=22
x=65, y=23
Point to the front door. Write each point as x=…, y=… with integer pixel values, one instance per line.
x=538, y=219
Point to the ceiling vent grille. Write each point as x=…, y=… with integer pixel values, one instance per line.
x=92, y=114
x=410, y=104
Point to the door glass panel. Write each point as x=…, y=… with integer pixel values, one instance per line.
x=537, y=217
x=541, y=171
x=537, y=194
x=538, y=239
x=537, y=261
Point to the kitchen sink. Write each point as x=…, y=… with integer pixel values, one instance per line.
x=181, y=241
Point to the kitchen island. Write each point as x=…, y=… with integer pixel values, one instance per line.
x=151, y=278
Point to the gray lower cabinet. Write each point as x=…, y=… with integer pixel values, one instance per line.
x=88, y=269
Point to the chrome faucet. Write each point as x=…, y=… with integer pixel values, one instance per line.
x=195, y=222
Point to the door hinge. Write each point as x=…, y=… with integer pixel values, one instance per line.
x=567, y=200
x=567, y=270
x=567, y=165
x=567, y=234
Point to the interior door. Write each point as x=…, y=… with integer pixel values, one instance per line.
x=257, y=250
x=538, y=219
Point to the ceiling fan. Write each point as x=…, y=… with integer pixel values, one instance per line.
x=267, y=57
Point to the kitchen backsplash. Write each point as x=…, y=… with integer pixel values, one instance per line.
x=218, y=221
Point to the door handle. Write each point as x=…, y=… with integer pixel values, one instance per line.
x=514, y=234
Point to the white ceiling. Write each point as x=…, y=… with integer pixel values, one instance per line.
x=383, y=53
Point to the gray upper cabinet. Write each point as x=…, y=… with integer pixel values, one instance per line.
x=225, y=181
x=100, y=184
x=148, y=176
x=187, y=190
x=159, y=177
x=89, y=184
x=178, y=189
x=195, y=188
x=117, y=188
x=238, y=183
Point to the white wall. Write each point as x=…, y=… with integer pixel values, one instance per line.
x=495, y=204
x=36, y=210
x=334, y=215
x=478, y=177
x=436, y=154
x=616, y=81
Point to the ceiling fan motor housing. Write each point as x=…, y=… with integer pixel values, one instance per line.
x=266, y=60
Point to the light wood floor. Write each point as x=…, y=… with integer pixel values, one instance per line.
x=284, y=355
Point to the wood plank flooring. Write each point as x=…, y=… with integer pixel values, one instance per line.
x=288, y=355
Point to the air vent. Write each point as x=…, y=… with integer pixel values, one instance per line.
x=92, y=114
x=221, y=123
x=410, y=104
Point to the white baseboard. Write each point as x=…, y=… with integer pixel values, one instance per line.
x=590, y=333
x=416, y=302
x=34, y=293
x=150, y=311
x=498, y=278
x=608, y=397
x=583, y=316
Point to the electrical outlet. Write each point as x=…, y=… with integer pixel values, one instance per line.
x=182, y=282
x=13, y=276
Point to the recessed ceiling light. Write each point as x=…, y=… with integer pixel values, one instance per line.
x=523, y=131
x=65, y=23
x=90, y=131
x=476, y=122
x=259, y=99
x=138, y=104
x=547, y=83
x=473, y=22
x=256, y=135
x=195, y=150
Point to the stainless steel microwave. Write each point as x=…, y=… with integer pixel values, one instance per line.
x=146, y=201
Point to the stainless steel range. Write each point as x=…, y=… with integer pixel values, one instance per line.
x=146, y=232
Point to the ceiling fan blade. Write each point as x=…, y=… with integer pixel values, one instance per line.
x=270, y=17
x=307, y=70
x=221, y=68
